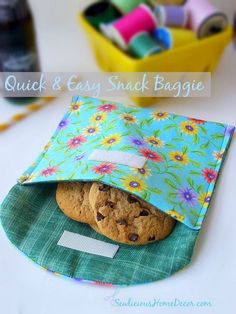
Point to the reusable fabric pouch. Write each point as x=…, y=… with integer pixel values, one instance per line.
x=170, y=161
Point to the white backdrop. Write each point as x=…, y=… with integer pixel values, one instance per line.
x=25, y=288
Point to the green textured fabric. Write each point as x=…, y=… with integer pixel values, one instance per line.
x=34, y=224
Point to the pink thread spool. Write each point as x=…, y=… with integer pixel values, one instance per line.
x=171, y=15
x=141, y=19
x=204, y=18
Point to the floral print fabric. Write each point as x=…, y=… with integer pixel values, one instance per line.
x=184, y=155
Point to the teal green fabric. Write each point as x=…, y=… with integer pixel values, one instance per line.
x=184, y=155
x=33, y=223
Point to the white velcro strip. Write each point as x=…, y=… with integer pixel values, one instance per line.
x=85, y=244
x=118, y=157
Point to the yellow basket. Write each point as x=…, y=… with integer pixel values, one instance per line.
x=200, y=56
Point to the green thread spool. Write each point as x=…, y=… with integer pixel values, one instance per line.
x=125, y=6
x=101, y=12
x=167, y=2
x=143, y=45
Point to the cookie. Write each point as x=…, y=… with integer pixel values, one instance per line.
x=73, y=199
x=124, y=218
x=95, y=228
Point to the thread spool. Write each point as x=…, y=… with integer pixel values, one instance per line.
x=106, y=30
x=143, y=45
x=164, y=36
x=174, y=37
x=126, y=6
x=205, y=18
x=140, y=20
x=172, y=15
x=100, y=12
x=167, y=2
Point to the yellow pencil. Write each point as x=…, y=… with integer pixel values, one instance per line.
x=42, y=102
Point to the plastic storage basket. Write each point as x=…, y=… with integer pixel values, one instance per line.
x=200, y=56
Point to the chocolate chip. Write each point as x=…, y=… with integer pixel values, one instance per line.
x=132, y=199
x=122, y=222
x=100, y=216
x=133, y=237
x=144, y=213
x=103, y=188
x=110, y=204
x=151, y=238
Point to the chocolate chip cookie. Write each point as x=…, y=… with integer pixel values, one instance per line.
x=73, y=199
x=125, y=218
x=95, y=228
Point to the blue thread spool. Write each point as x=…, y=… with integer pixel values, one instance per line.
x=163, y=36
x=174, y=37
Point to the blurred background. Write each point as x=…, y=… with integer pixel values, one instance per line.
x=62, y=42
x=63, y=46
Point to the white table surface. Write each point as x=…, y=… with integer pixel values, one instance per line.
x=24, y=287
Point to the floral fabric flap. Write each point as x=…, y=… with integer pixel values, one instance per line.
x=182, y=156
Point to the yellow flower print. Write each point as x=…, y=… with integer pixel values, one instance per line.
x=179, y=157
x=47, y=146
x=98, y=118
x=91, y=130
x=26, y=178
x=204, y=199
x=22, y=179
x=128, y=118
x=31, y=177
x=218, y=156
x=74, y=107
x=143, y=172
x=159, y=116
x=189, y=128
x=134, y=184
x=111, y=140
x=154, y=141
x=175, y=215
